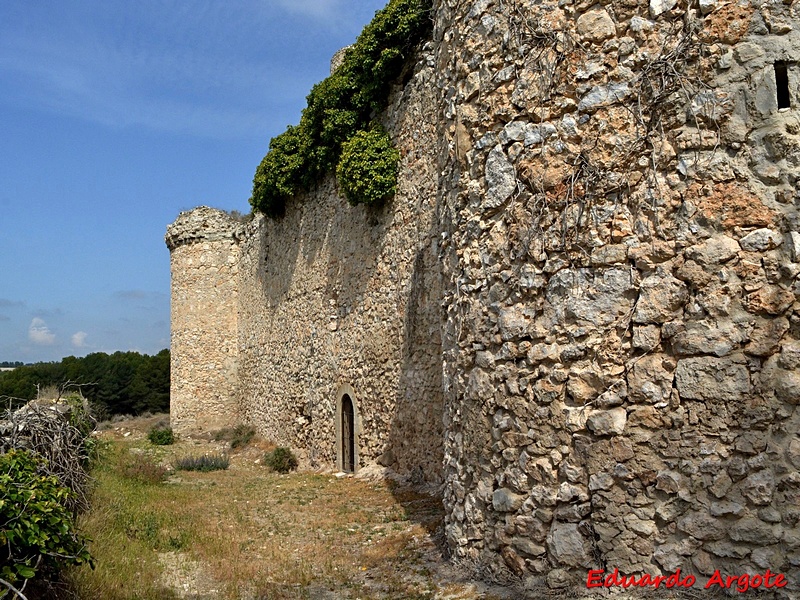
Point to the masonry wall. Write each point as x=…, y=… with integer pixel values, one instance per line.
x=338, y=299
x=622, y=337
x=204, y=260
x=580, y=311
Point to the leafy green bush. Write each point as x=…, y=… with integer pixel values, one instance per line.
x=37, y=531
x=239, y=436
x=281, y=460
x=341, y=106
x=204, y=463
x=161, y=436
x=367, y=170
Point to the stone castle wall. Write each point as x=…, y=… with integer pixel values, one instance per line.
x=580, y=311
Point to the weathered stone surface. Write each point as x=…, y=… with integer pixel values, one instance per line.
x=708, y=378
x=770, y=299
x=755, y=531
x=568, y=546
x=761, y=240
x=607, y=422
x=766, y=337
x=660, y=299
x=760, y=487
x=702, y=526
x=596, y=25
x=713, y=251
x=650, y=379
x=659, y=7
x=709, y=337
x=505, y=500
x=501, y=179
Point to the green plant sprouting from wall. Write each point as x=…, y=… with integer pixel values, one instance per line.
x=342, y=107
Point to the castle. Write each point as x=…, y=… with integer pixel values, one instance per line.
x=579, y=312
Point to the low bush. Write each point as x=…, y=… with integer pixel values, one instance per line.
x=281, y=460
x=204, y=463
x=161, y=436
x=237, y=437
x=37, y=530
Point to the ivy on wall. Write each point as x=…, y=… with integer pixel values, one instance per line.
x=339, y=115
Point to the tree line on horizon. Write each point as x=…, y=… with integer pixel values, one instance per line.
x=122, y=383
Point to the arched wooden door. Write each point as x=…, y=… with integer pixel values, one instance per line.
x=348, y=435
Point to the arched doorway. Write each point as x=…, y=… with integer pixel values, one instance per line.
x=348, y=437
x=348, y=429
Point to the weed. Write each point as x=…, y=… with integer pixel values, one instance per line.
x=203, y=463
x=237, y=437
x=144, y=469
x=161, y=436
x=281, y=460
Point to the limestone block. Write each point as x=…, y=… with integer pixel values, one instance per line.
x=660, y=299
x=603, y=95
x=790, y=355
x=567, y=546
x=702, y=526
x=659, y=7
x=713, y=251
x=769, y=299
x=754, y=531
x=766, y=336
x=709, y=337
x=607, y=422
x=710, y=378
x=596, y=25
x=650, y=379
x=505, y=500
x=761, y=240
x=501, y=179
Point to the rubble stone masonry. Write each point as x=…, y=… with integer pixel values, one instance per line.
x=580, y=312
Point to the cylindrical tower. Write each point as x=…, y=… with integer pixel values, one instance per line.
x=204, y=260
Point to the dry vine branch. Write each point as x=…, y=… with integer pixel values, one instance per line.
x=56, y=432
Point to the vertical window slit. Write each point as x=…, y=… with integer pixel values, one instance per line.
x=782, y=84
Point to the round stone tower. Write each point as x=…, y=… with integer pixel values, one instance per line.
x=204, y=261
x=623, y=336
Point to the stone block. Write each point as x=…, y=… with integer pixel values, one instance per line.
x=710, y=378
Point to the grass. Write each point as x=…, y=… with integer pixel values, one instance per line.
x=250, y=533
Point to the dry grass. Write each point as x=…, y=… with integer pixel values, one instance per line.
x=250, y=533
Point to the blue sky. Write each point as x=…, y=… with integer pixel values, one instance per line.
x=114, y=117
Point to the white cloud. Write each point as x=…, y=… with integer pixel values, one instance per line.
x=39, y=333
x=79, y=339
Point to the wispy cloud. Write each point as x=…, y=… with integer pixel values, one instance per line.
x=6, y=303
x=79, y=339
x=130, y=295
x=39, y=333
x=327, y=10
x=172, y=79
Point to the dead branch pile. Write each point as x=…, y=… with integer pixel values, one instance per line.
x=58, y=432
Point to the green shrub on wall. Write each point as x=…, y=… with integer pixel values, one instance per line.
x=367, y=170
x=341, y=107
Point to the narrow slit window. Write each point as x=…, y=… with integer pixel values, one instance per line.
x=782, y=84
